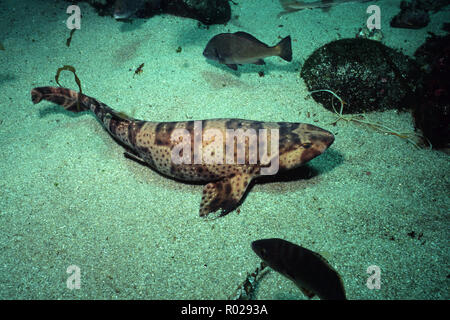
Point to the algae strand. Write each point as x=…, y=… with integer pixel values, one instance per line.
x=69, y=39
x=77, y=80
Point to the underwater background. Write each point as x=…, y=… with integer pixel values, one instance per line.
x=68, y=196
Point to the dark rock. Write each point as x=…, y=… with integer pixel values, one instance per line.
x=432, y=114
x=411, y=16
x=429, y=52
x=414, y=14
x=206, y=11
x=431, y=5
x=103, y=7
x=446, y=27
x=366, y=74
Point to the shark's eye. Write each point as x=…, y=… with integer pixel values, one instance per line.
x=307, y=145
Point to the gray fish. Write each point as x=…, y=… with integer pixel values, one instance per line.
x=290, y=6
x=309, y=270
x=240, y=47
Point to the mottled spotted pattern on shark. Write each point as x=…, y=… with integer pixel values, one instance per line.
x=153, y=143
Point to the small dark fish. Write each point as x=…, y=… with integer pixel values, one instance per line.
x=139, y=69
x=309, y=270
x=240, y=48
x=295, y=5
x=2, y=47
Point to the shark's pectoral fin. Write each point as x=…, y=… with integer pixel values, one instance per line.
x=224, y=194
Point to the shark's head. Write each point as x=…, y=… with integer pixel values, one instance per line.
x=301, y=144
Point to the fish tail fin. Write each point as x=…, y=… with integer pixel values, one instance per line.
x=69, y=99
x=74, y=101
x=290, y=6
x=285, y=48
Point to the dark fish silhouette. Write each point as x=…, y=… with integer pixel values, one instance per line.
x=309, y=270
x=125, y=9
x=240, y=48
x=295, y=5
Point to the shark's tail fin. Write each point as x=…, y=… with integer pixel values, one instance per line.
x=69, y=99
x=74, y=101
x=290, y=6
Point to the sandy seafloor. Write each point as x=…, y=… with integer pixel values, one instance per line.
x=70, y=197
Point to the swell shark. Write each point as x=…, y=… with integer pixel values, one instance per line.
x=183, y=150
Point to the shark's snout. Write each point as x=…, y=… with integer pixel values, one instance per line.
x=320, y=140
x=328, y=138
